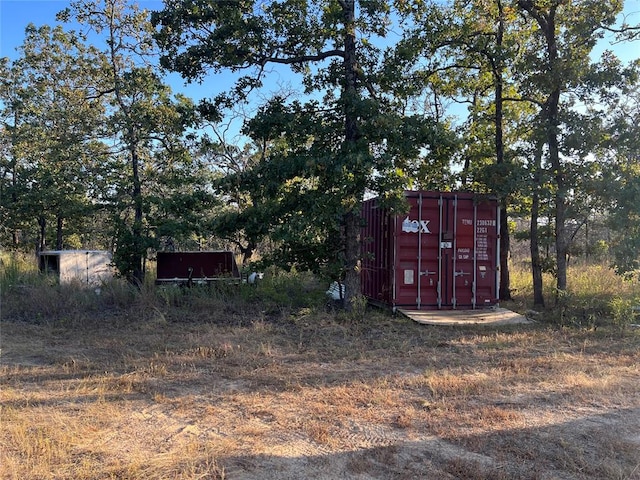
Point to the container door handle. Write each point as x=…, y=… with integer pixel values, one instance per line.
x=427, y=273
x=460, y=273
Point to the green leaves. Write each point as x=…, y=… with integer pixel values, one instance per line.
x=45, y=95
x=484, y=95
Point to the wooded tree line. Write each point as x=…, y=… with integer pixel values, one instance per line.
x=490, y=96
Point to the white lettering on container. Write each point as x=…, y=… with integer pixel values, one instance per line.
x=485, y=223
x=415, y=226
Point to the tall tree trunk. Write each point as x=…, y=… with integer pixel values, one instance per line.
x=498, y=69
x=505, y=245
x=137, y=233
x=247, y=251
x=536, y=263
x=352, y=256
x=464, y=174
x=351, y=217
x=136, y=252
x=15, y=235
x=42, y=240
x=59, y=236
x=547, y=23
x=561, y=239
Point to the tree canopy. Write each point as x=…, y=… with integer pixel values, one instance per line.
x=492, y=96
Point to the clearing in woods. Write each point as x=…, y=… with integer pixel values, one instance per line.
x=235, y=393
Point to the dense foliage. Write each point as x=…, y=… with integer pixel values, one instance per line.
x=499, y=96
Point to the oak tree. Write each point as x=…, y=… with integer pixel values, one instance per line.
x=335, y=150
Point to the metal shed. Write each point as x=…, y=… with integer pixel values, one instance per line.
x=90, y=267
x=442, y=254
x=196, y=267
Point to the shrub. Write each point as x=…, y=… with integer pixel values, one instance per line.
x=18, y=269
x=595, y=297
x=623, y=310
x=291, y=289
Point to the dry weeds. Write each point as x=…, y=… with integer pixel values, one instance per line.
x=231, y=392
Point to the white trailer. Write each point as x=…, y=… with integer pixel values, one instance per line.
x=90, y=267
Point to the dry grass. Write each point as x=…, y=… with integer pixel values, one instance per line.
x=596, y=296
x=201, y=385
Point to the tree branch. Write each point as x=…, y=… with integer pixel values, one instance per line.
x=524, y=99
x=578, y=227
x=626, y=32
x=100, y=94
x=303, y=58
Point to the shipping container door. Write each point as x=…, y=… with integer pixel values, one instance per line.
x=429, y=265
x=427, y=276
x=469, y=252
x=487, y=255
x=471, y=264
x=417, y=269
x=446, y=252
x=461, y=261
x=447, y=247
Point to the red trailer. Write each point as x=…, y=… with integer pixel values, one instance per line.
x=196, y=267
x=442, y=254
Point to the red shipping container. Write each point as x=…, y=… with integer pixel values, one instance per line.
x=197, y=267
x=442, y=254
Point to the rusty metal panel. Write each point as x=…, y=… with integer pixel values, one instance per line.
x=184, y=266
x=377, y=253
x=441, y=254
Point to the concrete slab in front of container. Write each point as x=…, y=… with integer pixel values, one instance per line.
x=492, y=316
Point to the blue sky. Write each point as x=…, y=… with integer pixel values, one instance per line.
x=15, y=15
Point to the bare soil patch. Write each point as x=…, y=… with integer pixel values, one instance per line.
x=240, y=394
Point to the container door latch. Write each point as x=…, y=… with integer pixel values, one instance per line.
x=426, y=273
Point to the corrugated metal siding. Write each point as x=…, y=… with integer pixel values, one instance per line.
x=442, y=254
x=196, y=265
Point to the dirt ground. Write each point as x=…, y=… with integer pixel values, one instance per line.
x=235, y=394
